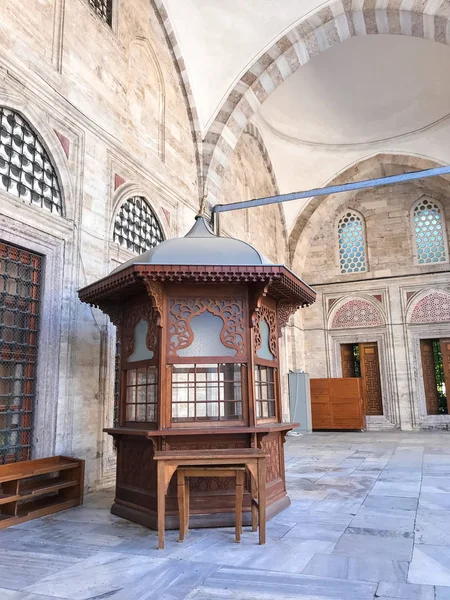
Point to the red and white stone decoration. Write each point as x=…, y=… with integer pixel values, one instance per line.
x=357, y=313
x=432, y=308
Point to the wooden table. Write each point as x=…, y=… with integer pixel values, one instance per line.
x=168, y=461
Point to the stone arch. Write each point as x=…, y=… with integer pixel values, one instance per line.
x=327, y=27
x=142, y=44
x=360, y=311
x=375, y=165
x=254, y=132
x=185, y=85
x=429, y=306
x=39, y=121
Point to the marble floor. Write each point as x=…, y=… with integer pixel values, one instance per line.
x=370, y=519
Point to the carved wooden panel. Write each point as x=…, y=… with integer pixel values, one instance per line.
x=271, y=445
x=230, y=310
x=136, y=465
x=370, y=371
x=270, y=316
x=348, y=360
x=133, y=315
x=429, y=377
x=207, y=484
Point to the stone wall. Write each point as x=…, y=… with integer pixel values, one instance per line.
x=249, y=176
x=378, y=304
x=108, y=105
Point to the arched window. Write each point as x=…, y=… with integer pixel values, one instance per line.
x=103, y=8
x=352, y=244
x=136, y=226
x=429, y=232
x=26, y=168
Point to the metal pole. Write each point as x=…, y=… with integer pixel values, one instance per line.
x=333, y=189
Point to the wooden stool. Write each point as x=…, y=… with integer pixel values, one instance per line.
x=235, y=471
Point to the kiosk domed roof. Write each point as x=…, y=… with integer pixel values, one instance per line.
x=200, y=246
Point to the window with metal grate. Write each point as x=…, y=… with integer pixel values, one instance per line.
x=429, y=232
x=20, y=298
x=104, y=9
x=136, y=226
x=26, y=168
x=352, y=244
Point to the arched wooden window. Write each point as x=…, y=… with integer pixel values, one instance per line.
x=26, y=168
x=104, y=9
x=352, y=243
x=136, y=227
x=429, y=232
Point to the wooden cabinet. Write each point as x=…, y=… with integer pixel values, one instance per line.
x=36, y=488
x=337, y=403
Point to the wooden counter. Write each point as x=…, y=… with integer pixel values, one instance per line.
x=212, y=500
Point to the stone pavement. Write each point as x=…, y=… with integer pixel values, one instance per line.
x=370, y=519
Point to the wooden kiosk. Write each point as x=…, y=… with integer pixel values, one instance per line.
x=199, y=319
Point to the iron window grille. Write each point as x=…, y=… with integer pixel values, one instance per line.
x=352, y=245
x=26, y=169
x=20, y=291
x=428, y=229
x=136, y=226
x=103, y=8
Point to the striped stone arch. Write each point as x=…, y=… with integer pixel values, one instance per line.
x=326, y=28
x=178, y=61
x=254, y=132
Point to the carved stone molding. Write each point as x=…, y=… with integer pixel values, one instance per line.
x=230, y=310
x=270, y=316
x=285, y=310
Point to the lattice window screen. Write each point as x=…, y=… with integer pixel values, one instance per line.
x=136, y=227
x=26, y=169
x=103, y=8
x=352, y=245
x=429, y=232
x=20, y=298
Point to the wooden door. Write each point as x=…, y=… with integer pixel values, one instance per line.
x=445, y=350
x=348, y=360
x=370, y=372
x=337, y=403
x=429, y=376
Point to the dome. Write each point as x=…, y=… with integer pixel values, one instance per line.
x=200, y=246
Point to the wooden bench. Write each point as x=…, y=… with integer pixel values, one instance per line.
x=35, y=488
x=252, y=459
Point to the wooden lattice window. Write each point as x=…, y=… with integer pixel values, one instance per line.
x=136, y=227
x=265, y=392
x=352, y=244
x=20, y=279
x=26, y=168
x=103, y=8
x=207, y=392
x=429, y=232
